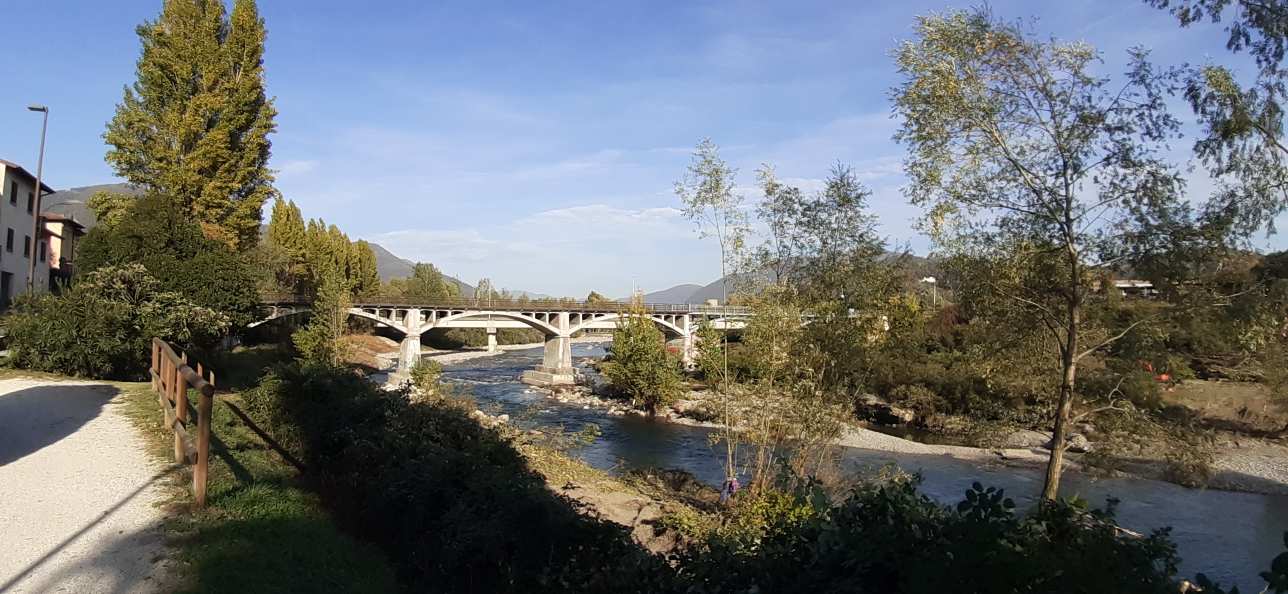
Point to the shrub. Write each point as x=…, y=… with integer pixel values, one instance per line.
x=890, y=538
x=640, y=367
x=454, y=505
x=102, y=326
x=156, y=233
x=918, y=398
x=425, y=375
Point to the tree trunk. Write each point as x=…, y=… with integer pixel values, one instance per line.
x=1069, y=367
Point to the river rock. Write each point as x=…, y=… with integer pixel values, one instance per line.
x=1027, y=438
x=881, y=412
x=1078, y=443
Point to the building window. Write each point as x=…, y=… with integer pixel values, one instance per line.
x=13, y=193
x=8, y=241
x=42, y=251
x=31, y=202
x=26, y=246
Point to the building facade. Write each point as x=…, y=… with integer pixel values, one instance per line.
x=17, y=221
x=62, y=234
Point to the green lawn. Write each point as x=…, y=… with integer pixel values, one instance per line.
x=261, y=531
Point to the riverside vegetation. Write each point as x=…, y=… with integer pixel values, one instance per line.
x=406, y=488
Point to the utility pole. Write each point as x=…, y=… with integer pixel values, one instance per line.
x=35, y=215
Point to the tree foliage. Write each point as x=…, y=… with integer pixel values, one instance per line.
x=426, y=283
x=103, y=325
x=821, y=244
x=194, y=125
x=1242, y=142
x=640, y=366
x=155, y=233
x=1019, y=152
x=707, y=193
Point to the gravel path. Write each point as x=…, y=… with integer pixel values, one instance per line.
x=77, y=492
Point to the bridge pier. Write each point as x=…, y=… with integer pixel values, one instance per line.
x=688, y=350
x=491, y=340
x=408, y=354
x=556, y=366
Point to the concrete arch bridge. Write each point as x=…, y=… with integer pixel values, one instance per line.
x=558, y=321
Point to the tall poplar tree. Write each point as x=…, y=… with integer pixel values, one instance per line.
x=194, y=125
x=362, y=268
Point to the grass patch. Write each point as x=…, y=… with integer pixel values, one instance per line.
x=261, y=531
x=241, y=368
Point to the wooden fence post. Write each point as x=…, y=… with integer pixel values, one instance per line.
x=203, y=447
x=155, y=369
x=172, y=378
x=180, y=413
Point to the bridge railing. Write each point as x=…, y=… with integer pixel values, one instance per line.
x=171, y=380
x=519, y=304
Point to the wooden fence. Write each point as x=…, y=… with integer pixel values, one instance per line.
x=171, y=380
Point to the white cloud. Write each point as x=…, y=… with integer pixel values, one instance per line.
x=296, y=167
x=567, y=251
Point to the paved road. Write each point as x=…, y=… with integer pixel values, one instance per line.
x=77, y=493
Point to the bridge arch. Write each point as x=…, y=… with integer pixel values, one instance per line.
x=353, y=311
x=667, y=327
x=444, y=322
x=277, y=315
x=386, y=322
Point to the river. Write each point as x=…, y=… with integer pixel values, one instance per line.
x=1229, y=536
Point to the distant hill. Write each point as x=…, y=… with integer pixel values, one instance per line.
x=677, y=295
x=391, y=266
x=74, y=202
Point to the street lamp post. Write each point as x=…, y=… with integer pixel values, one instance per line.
x=35, y=215
x=934, y=289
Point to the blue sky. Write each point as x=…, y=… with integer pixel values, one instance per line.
x=537, y=143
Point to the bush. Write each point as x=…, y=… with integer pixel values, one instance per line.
x=425, y=375
x=102, y=327
x=890, y=538
x=918, y=398
x=640, y=366
x=454, y=505
x=163, y=238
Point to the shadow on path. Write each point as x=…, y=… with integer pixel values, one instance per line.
x=105, y=556
x=36, y=417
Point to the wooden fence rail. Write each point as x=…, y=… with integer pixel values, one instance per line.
x=171, y=380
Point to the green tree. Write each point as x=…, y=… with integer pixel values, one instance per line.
x=485, y=293
x=706, y=191
x=428, y=284
x=640, y=366
x=365, y=274
x=321, y=341
x=154, y=232
x=709, y=359
x=109, y=207
x=1242, y=143
x=594, y=298
x=825, y=256
x=1020, y=153
x=194, y=125
x=287, y=235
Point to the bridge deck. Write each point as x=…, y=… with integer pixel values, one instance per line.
x=527, y=306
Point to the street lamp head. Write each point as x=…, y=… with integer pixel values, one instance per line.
x=38, y=108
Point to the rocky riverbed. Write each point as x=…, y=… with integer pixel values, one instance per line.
x=1238, y=463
